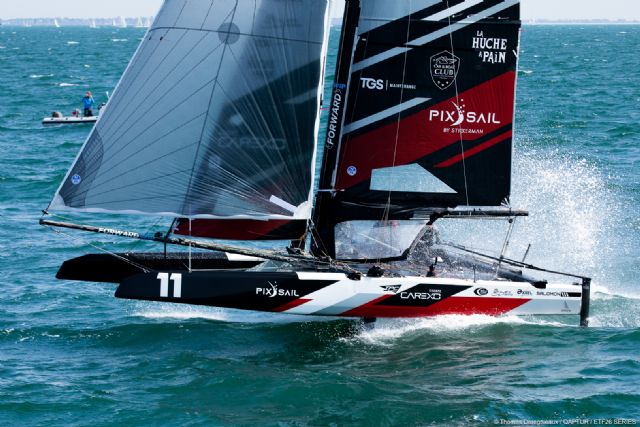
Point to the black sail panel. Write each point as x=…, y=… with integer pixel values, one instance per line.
x=428, y=121
x=430, y=109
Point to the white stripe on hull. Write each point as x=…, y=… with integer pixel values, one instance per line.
x=345, y=294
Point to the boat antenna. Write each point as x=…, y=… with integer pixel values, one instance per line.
x=526, y=253
x=505, y=245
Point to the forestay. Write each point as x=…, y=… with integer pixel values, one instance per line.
x=215, y=117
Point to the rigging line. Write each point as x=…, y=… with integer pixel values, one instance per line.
x=505, y=245
x=455, y=83
x=96, y=185
x=262, y=36
x=143, y=131
x=207, y=15
x=138, y=58
x=106, y=131
x=161, y=196
x=397, y=136
x=147, y=53
x=317, y=239
x=115, y=255
x=265, y=151
x=259, y=112
x=387, y=209
x=166, y=93
x=213, y=91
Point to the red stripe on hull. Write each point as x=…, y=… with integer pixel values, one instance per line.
x=451, y=305
x=292, y=304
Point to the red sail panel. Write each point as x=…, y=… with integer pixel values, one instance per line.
x=470, y=116
x=242, y=229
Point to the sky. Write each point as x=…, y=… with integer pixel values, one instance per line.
x=531, y=9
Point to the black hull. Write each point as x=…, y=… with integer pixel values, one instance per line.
x=107, y=268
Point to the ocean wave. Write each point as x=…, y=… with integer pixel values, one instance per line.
x=119, y=40
x=72, y=43
x=599, y=292
x=67, y=84
x=40, y=76
x=185, y=312
x=387, y=331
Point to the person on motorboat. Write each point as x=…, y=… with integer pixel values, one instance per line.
x=88, y=104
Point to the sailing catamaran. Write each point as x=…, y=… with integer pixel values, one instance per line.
x=420, y=129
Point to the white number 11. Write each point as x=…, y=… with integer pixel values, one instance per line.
x=164, y=284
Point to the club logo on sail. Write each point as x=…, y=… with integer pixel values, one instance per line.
x=444, y=69
x=272, y=291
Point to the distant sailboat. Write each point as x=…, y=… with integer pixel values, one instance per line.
x=93, y=24
x=122, y=22
x=139, y=23
x=56, y=23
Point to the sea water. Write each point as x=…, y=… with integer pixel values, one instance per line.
x=71, y=354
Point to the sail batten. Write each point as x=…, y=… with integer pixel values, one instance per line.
x=216, y=116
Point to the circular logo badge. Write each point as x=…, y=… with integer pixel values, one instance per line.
x=229, y=33
x=352, y=170
x=481, y=292
x=76, y=179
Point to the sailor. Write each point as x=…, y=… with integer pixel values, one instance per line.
x=432, y=271
x=88, y=103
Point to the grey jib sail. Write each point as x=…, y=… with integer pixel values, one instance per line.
x=215, y=117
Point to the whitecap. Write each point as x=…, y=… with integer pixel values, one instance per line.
x=87, y=66
x=67, y=84
x=39, y=76
x=119, y=40
x=604, y=293
x=72, y=43
x=385, y=331
x=173, y=312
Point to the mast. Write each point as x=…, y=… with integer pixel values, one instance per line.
x=322, y=231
